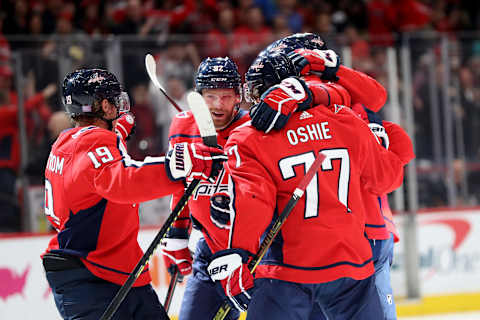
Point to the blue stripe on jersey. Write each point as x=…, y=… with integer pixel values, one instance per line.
x=375, y=225
x=275, y=252
x=184, y=136
x=81, y=231
x=114, y=270
x=333, y=265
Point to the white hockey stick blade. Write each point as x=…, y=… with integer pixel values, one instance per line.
x=203, y=118
x=151, y=67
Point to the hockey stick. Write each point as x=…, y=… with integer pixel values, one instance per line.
x=176, y=277
x=151, y=66
x=267, y=242
x=209, y=135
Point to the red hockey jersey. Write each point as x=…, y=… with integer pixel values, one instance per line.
x=92, y=192
x=184, y=129
x=323, y=238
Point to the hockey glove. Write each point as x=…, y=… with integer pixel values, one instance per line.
x=325, y=62
x=175, y=251
x=278, y=103
x=125, y=126
x=194, y=160
x=229, y=269
x=375, y=123
x=220, y=209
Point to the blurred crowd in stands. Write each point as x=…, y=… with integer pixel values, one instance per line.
x=53, y=37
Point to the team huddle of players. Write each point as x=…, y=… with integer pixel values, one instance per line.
x=321, y=265
x=331, y=258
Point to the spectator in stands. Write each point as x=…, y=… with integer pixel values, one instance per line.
x=74, y=44
x=163, y=109
x=381, y=22
x=290, y=10
x=219, y=40
x=9, y=145
x=17, y=21
x=38, y=156
x=142, y=143
x=91, y=21
x=280, y=27
x=179, y=59
x=250, y=38
x=325, y=28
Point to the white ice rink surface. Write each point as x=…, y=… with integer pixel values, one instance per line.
x=452, y=316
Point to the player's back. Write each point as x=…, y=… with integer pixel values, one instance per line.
x=68, y=179
x=323, y=238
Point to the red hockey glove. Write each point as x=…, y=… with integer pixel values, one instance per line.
x=125, y=126
x=278, y=103
x=194, y=160
x=175, y=251
x=220, y=209
x=229, y=269
x=326, y=62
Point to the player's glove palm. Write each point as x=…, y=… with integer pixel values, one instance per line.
x=278, y=103
x=229, y=268
x=125, y=126
x=175, y=252
x=325, y=62
x=194, y=160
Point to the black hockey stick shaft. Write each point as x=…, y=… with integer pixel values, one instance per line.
x=267, y=242
x=176, y=277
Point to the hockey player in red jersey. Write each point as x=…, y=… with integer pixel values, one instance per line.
x=219, y=83
x=92, y=193
x=321, y=256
